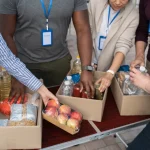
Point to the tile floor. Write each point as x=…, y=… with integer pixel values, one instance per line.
x=110, y=142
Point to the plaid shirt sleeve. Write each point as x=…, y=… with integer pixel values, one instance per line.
x=17, y=68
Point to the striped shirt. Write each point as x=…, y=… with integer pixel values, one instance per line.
x=17, y=68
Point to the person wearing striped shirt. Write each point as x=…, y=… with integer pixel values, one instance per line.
x=18, y=69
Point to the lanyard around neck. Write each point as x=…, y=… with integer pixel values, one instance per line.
x=46, y=13
x=110, y=22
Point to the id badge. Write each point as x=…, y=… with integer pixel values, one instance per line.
x=47, y=37
x=101, y=42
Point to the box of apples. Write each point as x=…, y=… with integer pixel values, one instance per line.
x=63, y=117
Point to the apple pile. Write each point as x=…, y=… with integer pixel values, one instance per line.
x=64, y=114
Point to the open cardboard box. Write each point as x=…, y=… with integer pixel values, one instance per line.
x=22, y=137
x=56, y=123
x=130, y=105
x=91, y=109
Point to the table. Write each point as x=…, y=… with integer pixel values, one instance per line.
x=56, y=139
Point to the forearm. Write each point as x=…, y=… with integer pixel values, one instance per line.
x=1, y=20
x=84, y=42
x=16, y=68
x=10, y=42
x=117, y=61
x=140, y=49
x=8, y=31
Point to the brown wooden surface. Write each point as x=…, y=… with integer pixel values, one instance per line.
x=111, y=119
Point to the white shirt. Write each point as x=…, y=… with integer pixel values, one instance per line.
x=17, y=68
x=103, y=30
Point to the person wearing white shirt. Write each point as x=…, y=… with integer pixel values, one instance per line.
x=18, y=69
x=113, y=24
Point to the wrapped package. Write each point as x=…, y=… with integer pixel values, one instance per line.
x=23, y=115
x=3, y=122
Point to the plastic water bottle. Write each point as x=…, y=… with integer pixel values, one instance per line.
x=69, y=78
x=140, y=91
x=128, y=88
x=67, y=88
x=76, y=66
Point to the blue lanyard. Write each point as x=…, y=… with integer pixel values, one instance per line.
x=108, y=24
x=44, y=10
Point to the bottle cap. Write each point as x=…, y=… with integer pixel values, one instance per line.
x=66, y=82
x=127, y=76
x=69, y=77
x=78, y=57
x=142, y=69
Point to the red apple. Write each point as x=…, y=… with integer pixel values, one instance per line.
x=65, y=109
x=62, y=118
x=53, y=103
x=52, y=111
x=76, y=115
x=73, y=123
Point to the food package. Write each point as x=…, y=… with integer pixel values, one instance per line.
x=23, y=115
x=121, y=77
x=5, y=105
x=3, y=122
x=63, y=116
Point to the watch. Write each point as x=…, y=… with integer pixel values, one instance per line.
x=88, y=68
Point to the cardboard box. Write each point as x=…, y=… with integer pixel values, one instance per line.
x=91, y=109
x=22, y=137
x=130, y=105
x=56, y=123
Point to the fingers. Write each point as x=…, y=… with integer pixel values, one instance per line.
x=87, y=88
x=98, y=81
x=16, y=98
x=92, y=90
x=132, y=74
x=81, y=87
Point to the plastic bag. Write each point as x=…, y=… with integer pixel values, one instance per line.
x=3, y=122
x=5, y=105
x=23, y=115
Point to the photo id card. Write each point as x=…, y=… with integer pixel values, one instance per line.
x=101, y=42
x=47, y=37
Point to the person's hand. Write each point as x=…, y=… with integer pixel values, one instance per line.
x=105, y=81
x=46, y=95
x=86, y=81
x=139, y=79
x=17, y=90
x=138, y=61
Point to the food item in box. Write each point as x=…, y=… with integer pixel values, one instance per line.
x=52, y=111
x=3, y=122
x=5, y=105
x=23, y=115
x=76, y=115
x=62, y=118
x=84, y=94
x=76, y=91
x=121, y=77
x=65, y=109
x=98, y=94
x=73, y=123
x=53, y=103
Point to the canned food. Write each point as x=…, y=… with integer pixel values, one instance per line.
x=98, y=94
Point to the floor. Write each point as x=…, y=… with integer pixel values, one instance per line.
x=110, y=142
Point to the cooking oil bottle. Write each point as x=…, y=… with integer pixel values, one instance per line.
x=76, y=66
x=5, y=84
